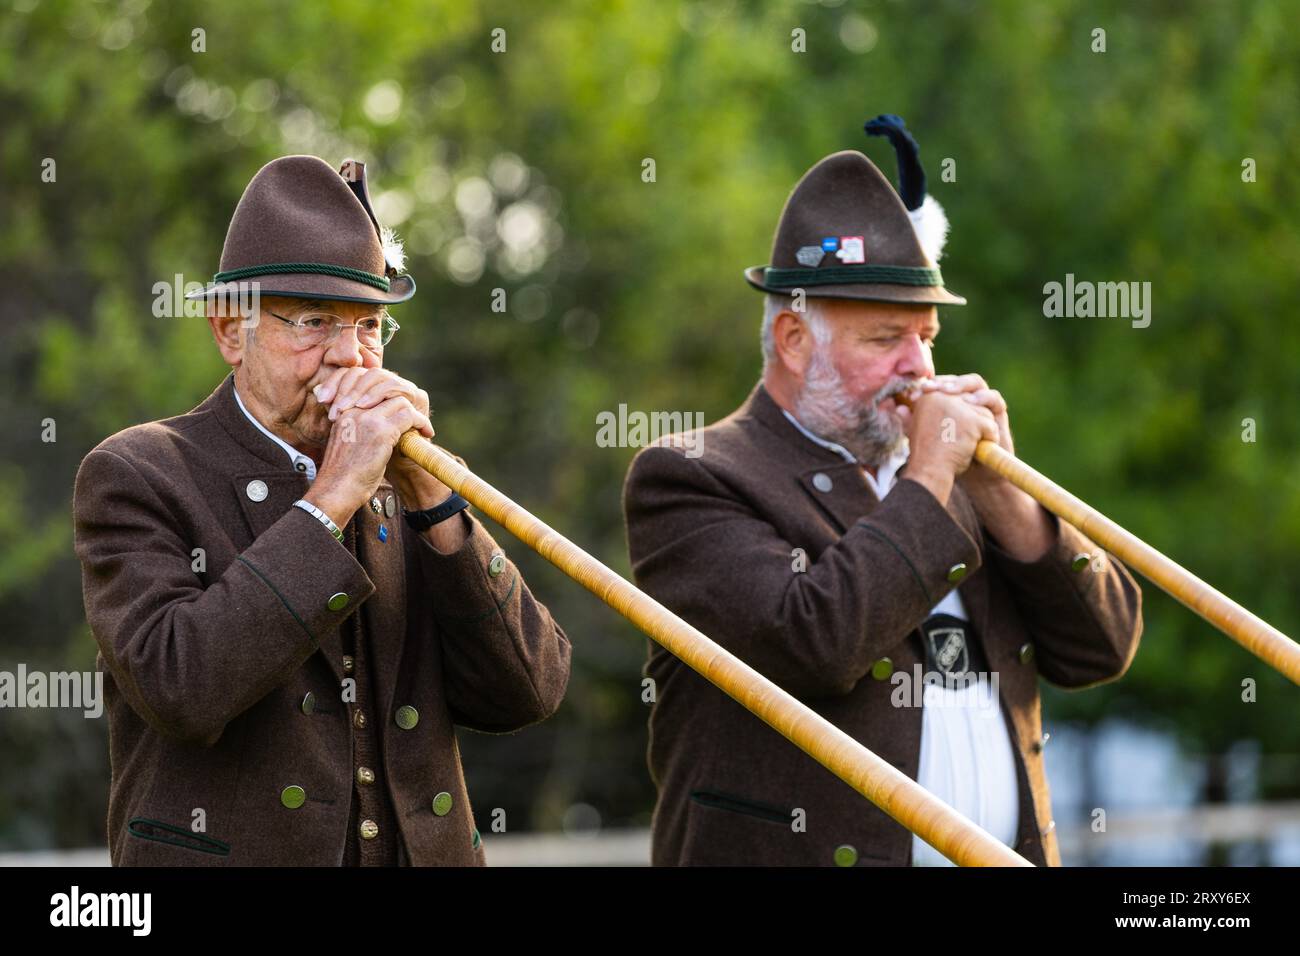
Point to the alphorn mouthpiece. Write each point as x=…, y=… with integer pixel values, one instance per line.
x=907, y=396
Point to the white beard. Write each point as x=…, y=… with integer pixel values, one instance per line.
x=825, y=408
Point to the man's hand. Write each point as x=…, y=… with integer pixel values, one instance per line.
x=971, y=388
x=363, y=388
x=943, y=430
x=1012, y=517
x=371, y=409
x=358, y=452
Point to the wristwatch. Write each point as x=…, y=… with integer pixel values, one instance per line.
x=426, y=519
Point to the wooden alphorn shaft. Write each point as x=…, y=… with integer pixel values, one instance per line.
x=1255, y=635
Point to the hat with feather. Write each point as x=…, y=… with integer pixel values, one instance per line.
x=305, y=231
x=846, y=233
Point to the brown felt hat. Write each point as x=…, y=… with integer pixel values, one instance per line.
x=305, y=231
x=845, y=234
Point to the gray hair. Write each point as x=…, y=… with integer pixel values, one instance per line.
x=773, y=305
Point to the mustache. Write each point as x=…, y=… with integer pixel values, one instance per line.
x=898, y=385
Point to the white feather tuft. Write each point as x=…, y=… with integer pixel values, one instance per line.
x=931, y=225
x=394, y=251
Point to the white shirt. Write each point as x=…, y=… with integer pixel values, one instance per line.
x=966, y=758
x=301, y=463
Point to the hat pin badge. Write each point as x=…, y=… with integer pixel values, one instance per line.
x=852, y=249
x=810, y=255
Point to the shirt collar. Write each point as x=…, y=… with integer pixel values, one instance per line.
x=885, y=473
x=301, y=463
x=838, y=449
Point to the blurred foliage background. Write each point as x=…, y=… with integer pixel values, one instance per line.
x=522, y=170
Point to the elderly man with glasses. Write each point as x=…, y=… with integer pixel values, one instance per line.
x=292, y=616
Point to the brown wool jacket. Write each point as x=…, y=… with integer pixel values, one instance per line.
x=713, y=537
x=226, y=670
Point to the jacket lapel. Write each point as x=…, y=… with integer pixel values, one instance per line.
x=384, y=614
x=283, y=488
x=259, y=460
x=836, y=486
x=840, y=490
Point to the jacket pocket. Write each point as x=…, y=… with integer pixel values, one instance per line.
x=156, y=830
x=736, y=804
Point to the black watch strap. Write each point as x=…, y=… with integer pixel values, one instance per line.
x=426, y=519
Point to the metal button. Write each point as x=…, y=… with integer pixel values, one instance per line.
x=497, y=564
x=1081, y=561
x=822, y=481
x=375, y=506
x=882, y=668
x=957, y=572
x=348, y=663
x=846, y=855
x=293, y=797
x=477, y=839
x=1040, y=743
x=369, y=829
x=358, y=720
x=337, y=602
x=407, y=717
x=365, y=776
x=442, y=804
x=390, y=506
x=256, y=490
x=300, y=465
x=309, y=703
x=1026, y=652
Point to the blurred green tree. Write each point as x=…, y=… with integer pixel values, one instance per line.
x=522, y=170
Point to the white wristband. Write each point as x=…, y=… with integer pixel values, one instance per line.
x=315, y=512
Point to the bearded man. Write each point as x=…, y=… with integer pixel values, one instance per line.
x=851, y=550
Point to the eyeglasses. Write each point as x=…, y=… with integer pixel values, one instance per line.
x=312, y=329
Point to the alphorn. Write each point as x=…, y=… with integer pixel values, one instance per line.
x=949, y=832
x=1257, y=636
